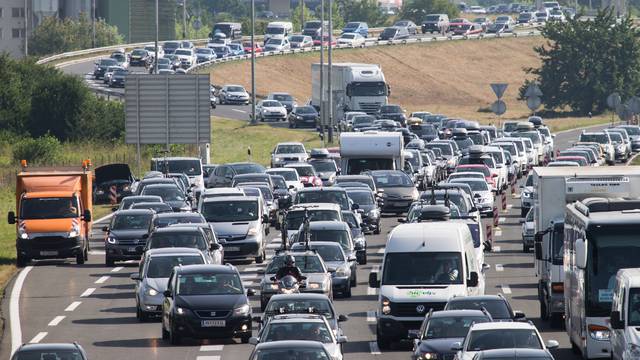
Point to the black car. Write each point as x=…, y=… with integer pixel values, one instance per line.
x=426, y=132
x=171, y=194
x=281, y=192
x=223, y=175
x=206, y=301
x=112, y=175
x=392, y=112
x=441, y=329
x=101, y=67
x=303, y=116
x=369, y=204
x=157, y=207
x=496, y=305
x=129, y=201
x=195, y=236
x=50, y=351
x=127, y=235
x=139, y=57
x=118, y=78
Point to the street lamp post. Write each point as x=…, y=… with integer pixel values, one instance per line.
x=155, y=58
x=253, y=63
x=330, y=90
x=93, y=23
x=322, y=107
x=184, y=19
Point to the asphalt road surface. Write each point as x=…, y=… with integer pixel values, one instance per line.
x=95, y=306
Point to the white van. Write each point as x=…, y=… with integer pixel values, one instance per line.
x=625, y=315
x=278, y=30
x=424, y=265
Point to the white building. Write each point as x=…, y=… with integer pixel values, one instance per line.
x=12, y=27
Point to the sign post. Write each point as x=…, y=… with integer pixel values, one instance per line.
x=499, y=107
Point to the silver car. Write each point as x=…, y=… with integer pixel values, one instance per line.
x=528, y=231
x=151, y=279
x=334, y=257
x=288, y=152
x=482, y=195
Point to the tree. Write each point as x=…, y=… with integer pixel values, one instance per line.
x=338, y=20
x=54, y=36
x=297, y=14
x=585, y=61
x=363, y=10
x=417, y=10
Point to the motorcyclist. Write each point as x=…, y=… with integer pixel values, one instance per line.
x=289, y=269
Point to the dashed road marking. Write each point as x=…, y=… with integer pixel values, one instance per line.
x=501, y=220
x=498, y=232
x=372, y=291
x=102, y=280
x=509, y=206
x=274, y=245
x=374, y=349
x=499, y=267
x=36, y=339
x=506, y=289
x=56, y=320
x=496, y=249
x=381, y=251
x=97, y=252
x=208, y=357
x=116, y=269
x=251, y=269
x=371, y=316
x=211, y=347
x=88, y=292
x=73, y=306
x=238, y=110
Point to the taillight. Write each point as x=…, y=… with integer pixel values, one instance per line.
x=557, y=287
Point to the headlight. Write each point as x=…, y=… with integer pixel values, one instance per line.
x=75, y=231
x=151, y=291
x=181, y=311
x=112, y=240
x=265, y=111
x=242, y=310
x=23, y=234
x=375, y=213
x=99, y=192
x=271, y=286
x=634, y=350
x=428, y=356
x=599, y=332
x=526, y=194
x=386, y=306
x=277, y=160
x=252, y=232
x=314, y=286
x=341, y=272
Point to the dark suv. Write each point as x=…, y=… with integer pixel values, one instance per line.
x=127, y=235
x=496, y=305
x=206, y=301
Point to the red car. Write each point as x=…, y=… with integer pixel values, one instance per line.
x=325, y=42
x=247, y=47
x=579, y=159
x=484, y=169
x=465, y=28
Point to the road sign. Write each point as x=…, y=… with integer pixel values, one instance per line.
x=614, y=100
x=533, y=91
x=499, y=107
x=197, y=24
x=624, y=112
x=634, y=104
x=533, y=103
x=499, y=89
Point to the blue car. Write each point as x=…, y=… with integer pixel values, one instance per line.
x=236, y=49
x=358, y=27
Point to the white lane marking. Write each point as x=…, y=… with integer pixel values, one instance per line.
x=116, y=269
x=381, y=251
x=56, y=320
x=374, y=349
x=501, y=220
x=238, y=110
x=208, y=357
x=248, y=277
x=249, y=283
x=498, y=232
x=88, y=292
x=496, y=249
x=251, y=269
x=372, y=291
x=509, y=206
x=36, y=339
x=274, y=245
x=506, y=289
x=96, y=252
x=106, y=217
x=129, y=261
x=102, y=280
x=371, y=316
x=499, y=267
x=73, y=306
x=14, y=309
x=211, y=347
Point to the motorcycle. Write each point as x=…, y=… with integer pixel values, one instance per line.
x=289, y=285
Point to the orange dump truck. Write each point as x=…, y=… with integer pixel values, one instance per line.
x=53, y=213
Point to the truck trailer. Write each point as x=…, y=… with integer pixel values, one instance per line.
x=371, y=150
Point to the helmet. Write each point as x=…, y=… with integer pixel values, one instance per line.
x=289, y=260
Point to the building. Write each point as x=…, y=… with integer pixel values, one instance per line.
x=12, y=27
x=116, y=13
x=142, y=26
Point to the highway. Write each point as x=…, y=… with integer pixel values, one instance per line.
x=95, y=306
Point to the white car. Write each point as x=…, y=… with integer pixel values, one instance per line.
x=557, y=15
x=187, y=57
x=271, y=110
x=528, y=230
x=482, y=195
x=233, y=94
x=507, y=20
x=542, y=16
x=500, y=335
x=290, y=176
x=288, y=152
x=277, y=44
x=351, y=39
x=152, y=51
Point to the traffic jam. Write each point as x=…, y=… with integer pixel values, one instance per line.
x=240, y=253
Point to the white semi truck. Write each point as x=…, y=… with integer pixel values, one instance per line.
x=370, y=150
x=355, y=87
x=555, y=187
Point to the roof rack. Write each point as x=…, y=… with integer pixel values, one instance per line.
x=589, y=205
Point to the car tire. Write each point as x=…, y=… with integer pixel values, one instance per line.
x=263, y=304
x=556, y=321
x=525, y=248
x=109, y=261
x=174, y=337
x=165, y=333
x=347, y=293
x=245, y=339
x=377, y=230
x=140, y=315
x=80, y=257
x=290, y=125
x=383, y=342
x=260, y=259
x=21, y=261
x=523, y=212
x=544, y=315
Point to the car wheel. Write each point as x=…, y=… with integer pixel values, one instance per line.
x=523, y=212
x=141, y=315
x=174, y=337
x=354, y=279
x=347, y=292
x=377, y=230
x=543, y=310
x=245, y=339
x=525, y=248
x=263, y=304
x=165, y=333
x=22, y=261
x=383, y=342
x=290, y=126
x=260, y=259
x=109, y=261
x=557, y=321
x=80, y=257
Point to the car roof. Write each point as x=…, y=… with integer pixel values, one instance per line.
x=434, y=237
x=302, y=296
x=178, y=215
x=135, y=211
x=49, y=346
x=478, y=298
x=230, y=198
x=328, y=225
x=173, y=251
x=315, y=243
x=502, y=325
x=465, y=312
x=516, y=353
x=288, y=344
x=295, y=317
x=315, y=206
x=177, y=229
x=207, y=268
x=286, y=142
x=280, y=169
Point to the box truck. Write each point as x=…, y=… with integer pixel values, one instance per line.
x=370, y=150
x=53, y=212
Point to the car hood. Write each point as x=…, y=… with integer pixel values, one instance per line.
x=160, y=284
x=335, y=264
x=128, y=234
x=367, y=208
x=398, y=192
x=275, y=108
x=238, y=94
x=326, y=174
x=176, y=204
x=209, y=302
x=289, y=155
x=232, y=228
x=112, y=172
x=440, y=346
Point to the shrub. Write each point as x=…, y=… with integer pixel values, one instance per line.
x=43, y=150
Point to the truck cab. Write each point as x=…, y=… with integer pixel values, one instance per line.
x=371, y=150
x=625, y=315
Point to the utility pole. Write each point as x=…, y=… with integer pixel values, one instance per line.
x=330, y=90
x=301, y=15
x=155, y=58
x=26, y=28
x=93, y=23
x=253, y=63
x=322, y=107
x=184, y=19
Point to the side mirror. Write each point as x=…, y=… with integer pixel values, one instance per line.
x=373, y=280
x=291, y=187
x=342, y=339
x=413, y=336
x=616, y=323
x=257, y=319
x=342, y=318
x=402, y=220
x=113, y=209
x=518, y=315
x=494, y=175
x=215, y=246
x=260, y=271
x=552, y=344
x=167, y=293
x=521, y=221
x=11, y=217
x=331, y=269
x=355, y=206
x=351, y=259
x=581, y=253
x=456, y=346
x=253, y=340
x=105, y=228
x=251, y=292
x=87, y=215
x=537, y=249
x=473, y=279
x=135, y=276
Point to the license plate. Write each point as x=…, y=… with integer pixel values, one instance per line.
x=48, y=253
x=231, y=248
x=213, y=323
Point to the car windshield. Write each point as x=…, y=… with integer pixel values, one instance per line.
x=165, y=221
x=235, y=89
x=120, y=72
x=46, y=354
x=203, y=51
x=390, y=109
x=445, y=148
x=273, y=41
x=497, y=308
x=348, y=36
x=295, y=218
x=432, y=18
x=352, y=25
x=311, y=331
x=306, y=264
x=475, y=185
x=296, y=38
x=306, y=110
x=451, y=326
x=339, y=236
x=49, y=208
x=209, y=284
x=304, y=170
x=160, y=267
x=361, y=197
x=324, y=196
x=534, y=136
x=183, y=52
x=167, y=193
x=421, y=130
x=282, y=97
x=368, y=88
x=108, y=62
x=392, y=179
x=300, y=306
x=389, y=32
x=329, y=253
x=484, y=160
x=479, y=169
x=271, y=104
x=138, y=52
x=279, y=182
x=171, y=45
x=290, y=149
x=187, y=167
x=503, y=339
x=422, y=268
x=632, y=130
x=247, y=168
x=131, y=222
x=616, y=137
x=188, y=239
x=230, y=211
x=324, y=166
x=287, y=175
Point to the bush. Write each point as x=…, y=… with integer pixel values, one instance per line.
x=43, y=150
